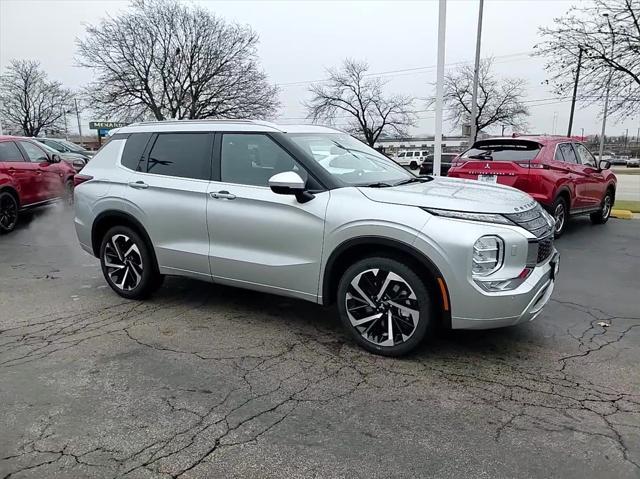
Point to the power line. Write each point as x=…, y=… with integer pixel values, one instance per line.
x=409, y=70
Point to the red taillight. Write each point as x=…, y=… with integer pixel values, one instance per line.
x=79, y=179
x=528, y=164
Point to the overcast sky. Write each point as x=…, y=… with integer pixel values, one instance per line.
x=299, y=39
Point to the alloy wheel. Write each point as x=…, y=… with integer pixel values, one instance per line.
x=606, y=207
x=8, y=212
x=560, y=216
x=382, y=307
x=123, y=261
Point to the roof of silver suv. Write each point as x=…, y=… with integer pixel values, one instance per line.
x=223, y=125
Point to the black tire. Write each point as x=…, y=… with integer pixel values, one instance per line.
x=144, y=277
x=560, y=212
x=602, y=216
x=377, y=330
x=8, y=212
x=413, y=165
x=68, y=193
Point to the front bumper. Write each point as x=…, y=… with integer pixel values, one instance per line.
x=496, y=310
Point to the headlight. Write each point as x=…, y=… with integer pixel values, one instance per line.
x=463, y=215
x=488, y=253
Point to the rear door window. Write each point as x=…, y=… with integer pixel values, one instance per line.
x=409, y=154
x=9, y=152
x=186, y=155
x=503, y=151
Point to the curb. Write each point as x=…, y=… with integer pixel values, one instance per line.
x=622, y=214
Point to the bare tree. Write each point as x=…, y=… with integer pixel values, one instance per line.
x=500, y=101
x=586, y=27
x=163, y=59
x=29, y=101
x=350, y=92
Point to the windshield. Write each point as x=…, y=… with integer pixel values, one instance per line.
x=71, y=146
x=511, y=151
x=350, y=160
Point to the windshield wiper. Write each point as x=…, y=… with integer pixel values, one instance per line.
x=379, y=184
x=422, y=179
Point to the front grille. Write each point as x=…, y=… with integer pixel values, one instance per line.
x=545, y=248
x=532, y=220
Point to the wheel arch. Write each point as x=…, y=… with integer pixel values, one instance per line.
x=108, y=219
x=12, y=191
x=565, y=193
x=354, y=249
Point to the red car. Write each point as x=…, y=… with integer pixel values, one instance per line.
x=559, y=172
x=29, y=177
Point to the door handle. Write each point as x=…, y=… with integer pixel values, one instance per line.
x=12, y=171
x=139, y=185
x=222, y=195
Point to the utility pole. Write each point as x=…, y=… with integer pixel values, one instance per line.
x=476, y=70
x=437, y=147
x=606, y=96
x=66, y=127
x=582, y=133
x=626, y=139
x=575, y=91
x=78, y=118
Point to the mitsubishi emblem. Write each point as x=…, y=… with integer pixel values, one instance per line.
x=487, y=167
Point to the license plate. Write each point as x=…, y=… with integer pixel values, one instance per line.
x=488, y=178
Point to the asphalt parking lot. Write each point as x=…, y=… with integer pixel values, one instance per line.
x=209, y=381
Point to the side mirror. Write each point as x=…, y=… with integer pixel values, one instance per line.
x=78, y=164
x=54, y=159
x=604, y=164
x=290, y=183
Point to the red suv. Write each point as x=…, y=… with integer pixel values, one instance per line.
x=559, y=172
x=29, y=177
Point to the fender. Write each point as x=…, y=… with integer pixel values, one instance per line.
x=400, y=246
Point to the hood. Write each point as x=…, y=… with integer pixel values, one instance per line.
x=454, y=194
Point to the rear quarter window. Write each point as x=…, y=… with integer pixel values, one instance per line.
x=133, y=150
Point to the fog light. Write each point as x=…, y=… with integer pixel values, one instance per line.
x=488, y=252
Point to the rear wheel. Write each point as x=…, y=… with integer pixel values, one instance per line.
x=413, y=165
x=127, y=263
x=385, y=306
x=8, y=212
x=560, y=212
x=602, y=216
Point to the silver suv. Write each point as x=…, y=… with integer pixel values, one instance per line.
x=312, y=213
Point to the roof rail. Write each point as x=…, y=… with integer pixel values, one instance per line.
x=205, y=120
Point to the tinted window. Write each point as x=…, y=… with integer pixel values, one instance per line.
x=400, y=155
x=425, y=153
x=568, y=154
x=187, y=155
x=586, y=158
x=514, y=151
x=253, y=159
x=410, y=153
x=34, y=152
x=9, y=152
x=133, y=150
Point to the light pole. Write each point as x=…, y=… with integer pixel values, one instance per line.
x=474, y=93
x=575, y=92
x=606, y=96
x=442, y=25
x=78, y=118
x=582, y=129
x=626, y=139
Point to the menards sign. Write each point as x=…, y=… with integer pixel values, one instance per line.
x=106, y=125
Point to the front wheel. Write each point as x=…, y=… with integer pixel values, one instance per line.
x=385, y=306
x=602, y=216
x=127, y=263
x=413, y=165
